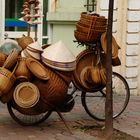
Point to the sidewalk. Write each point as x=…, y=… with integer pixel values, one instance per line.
x=78, y=121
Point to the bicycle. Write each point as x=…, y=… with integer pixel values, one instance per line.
x=92, y=100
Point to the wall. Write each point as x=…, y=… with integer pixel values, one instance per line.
x=62, y=17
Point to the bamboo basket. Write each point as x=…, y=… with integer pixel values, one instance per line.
x=11, y=59
x=24, y=41
x=2, y=59
x=7, y=80
x=22, y=73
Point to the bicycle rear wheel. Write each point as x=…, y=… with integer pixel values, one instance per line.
x=94, y=103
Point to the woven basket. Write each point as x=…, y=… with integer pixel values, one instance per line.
x=7, y=79
x=84, y=37
x=2, y=59
x=24, y=41
x=86, y=16
x=85, y=59
x=22, y=73
x=53, y=91
x=37, y=69
x=83, y=28
x=90, y=27
x=26, y=95
x=11, y=59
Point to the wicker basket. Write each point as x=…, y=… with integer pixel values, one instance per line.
x=26, y=95
x=11, y=59
x=87, y=23
x=84, y=37
x=24, y=41
x=22, y=73
x=53, y=91
x=90, y=27
x=85, y=15
x=2, y=59
x=7, y=79
x=83, y=28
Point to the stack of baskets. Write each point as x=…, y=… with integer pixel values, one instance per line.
x=90, y=27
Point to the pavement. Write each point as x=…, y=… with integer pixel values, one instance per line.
x=77, y=120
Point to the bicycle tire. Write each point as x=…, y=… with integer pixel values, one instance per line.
x=27, y=120
x=95, y=107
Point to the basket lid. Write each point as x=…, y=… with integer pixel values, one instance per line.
x=26, y=95
x=37, y=69
x=58, y=52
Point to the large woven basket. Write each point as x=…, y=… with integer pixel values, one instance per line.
x=53, y=91
x=90, y=27
x=83, y=80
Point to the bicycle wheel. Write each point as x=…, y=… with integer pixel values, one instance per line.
x=27, y=120
x=94, y=103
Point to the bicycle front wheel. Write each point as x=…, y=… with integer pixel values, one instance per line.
x=94, y=103
x=27, y=120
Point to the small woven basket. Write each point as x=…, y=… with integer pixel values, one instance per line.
x=2, y=59
x=7, y=79
x=24, y=41
x=11, y=59
x=22, y=73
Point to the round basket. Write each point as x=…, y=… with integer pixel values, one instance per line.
x=24, y=41
x=7, y=79
x=85, y=37
x=87, y=23
x=86, y=29
x=85, y=15
x=86, y=58
x=26, y=95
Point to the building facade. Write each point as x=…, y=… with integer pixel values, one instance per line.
x=58, y=23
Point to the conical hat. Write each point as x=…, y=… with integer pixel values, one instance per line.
x=58, y=52
x=35, y=46
x=31, y=54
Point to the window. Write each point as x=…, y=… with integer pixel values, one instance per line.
x=91, y=5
